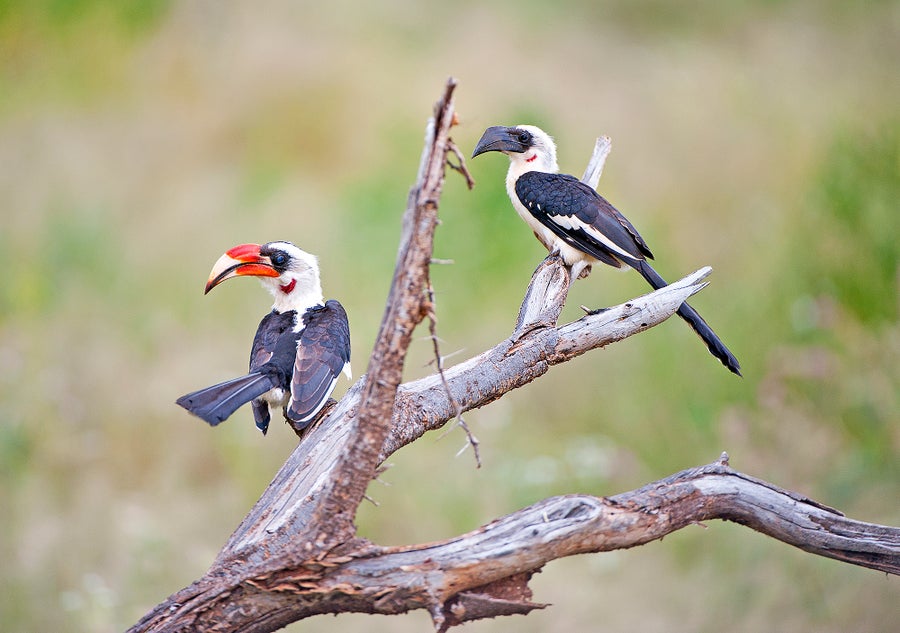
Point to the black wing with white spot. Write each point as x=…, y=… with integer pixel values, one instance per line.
x=581, y=217
x=323, y=353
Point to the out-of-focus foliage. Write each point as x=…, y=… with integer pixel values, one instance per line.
x=139, y=140
x=856, y=205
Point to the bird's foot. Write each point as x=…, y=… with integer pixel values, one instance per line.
x=590, y=312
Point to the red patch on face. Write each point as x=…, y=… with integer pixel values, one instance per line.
x=288, y=288
x=532, y=159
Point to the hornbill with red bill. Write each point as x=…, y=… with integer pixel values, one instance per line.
x=300, y=347
x=570, y=218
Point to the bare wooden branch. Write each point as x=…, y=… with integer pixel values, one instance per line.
x=407, y=306
x=422, y=405
x=546, y=295
x=296, y=553
x=484, y=573
x=595, y=167
x=576, y=524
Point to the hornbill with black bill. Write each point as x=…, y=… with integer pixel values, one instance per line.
x=570, y=218
x=300, y=347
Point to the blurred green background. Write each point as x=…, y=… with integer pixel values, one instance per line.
x=139, y=140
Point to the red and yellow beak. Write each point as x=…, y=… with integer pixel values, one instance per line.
x=243, y=259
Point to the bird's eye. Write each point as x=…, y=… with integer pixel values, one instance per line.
x=279, y=259
x=525, y=137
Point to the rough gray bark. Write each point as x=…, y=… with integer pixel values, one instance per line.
x=296, y=553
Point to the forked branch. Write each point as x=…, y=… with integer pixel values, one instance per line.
x=296, y=553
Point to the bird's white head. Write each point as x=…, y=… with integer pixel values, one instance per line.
x=288, y=272
x=529, y=147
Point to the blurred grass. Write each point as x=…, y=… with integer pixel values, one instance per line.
x=138, y=140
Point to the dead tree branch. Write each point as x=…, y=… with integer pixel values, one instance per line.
x=296, y=553
x=518, y=544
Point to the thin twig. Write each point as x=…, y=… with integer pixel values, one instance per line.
x=461, y=167
x=446, y=356
x=471, y=440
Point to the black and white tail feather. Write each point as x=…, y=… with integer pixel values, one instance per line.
x=215, y=404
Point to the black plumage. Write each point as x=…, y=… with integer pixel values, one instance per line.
x=304, y=364
x=585, y=220
x=554, y=197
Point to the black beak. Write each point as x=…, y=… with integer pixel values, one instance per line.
x=500, y=139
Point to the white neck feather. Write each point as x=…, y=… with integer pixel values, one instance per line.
x=306, y=291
